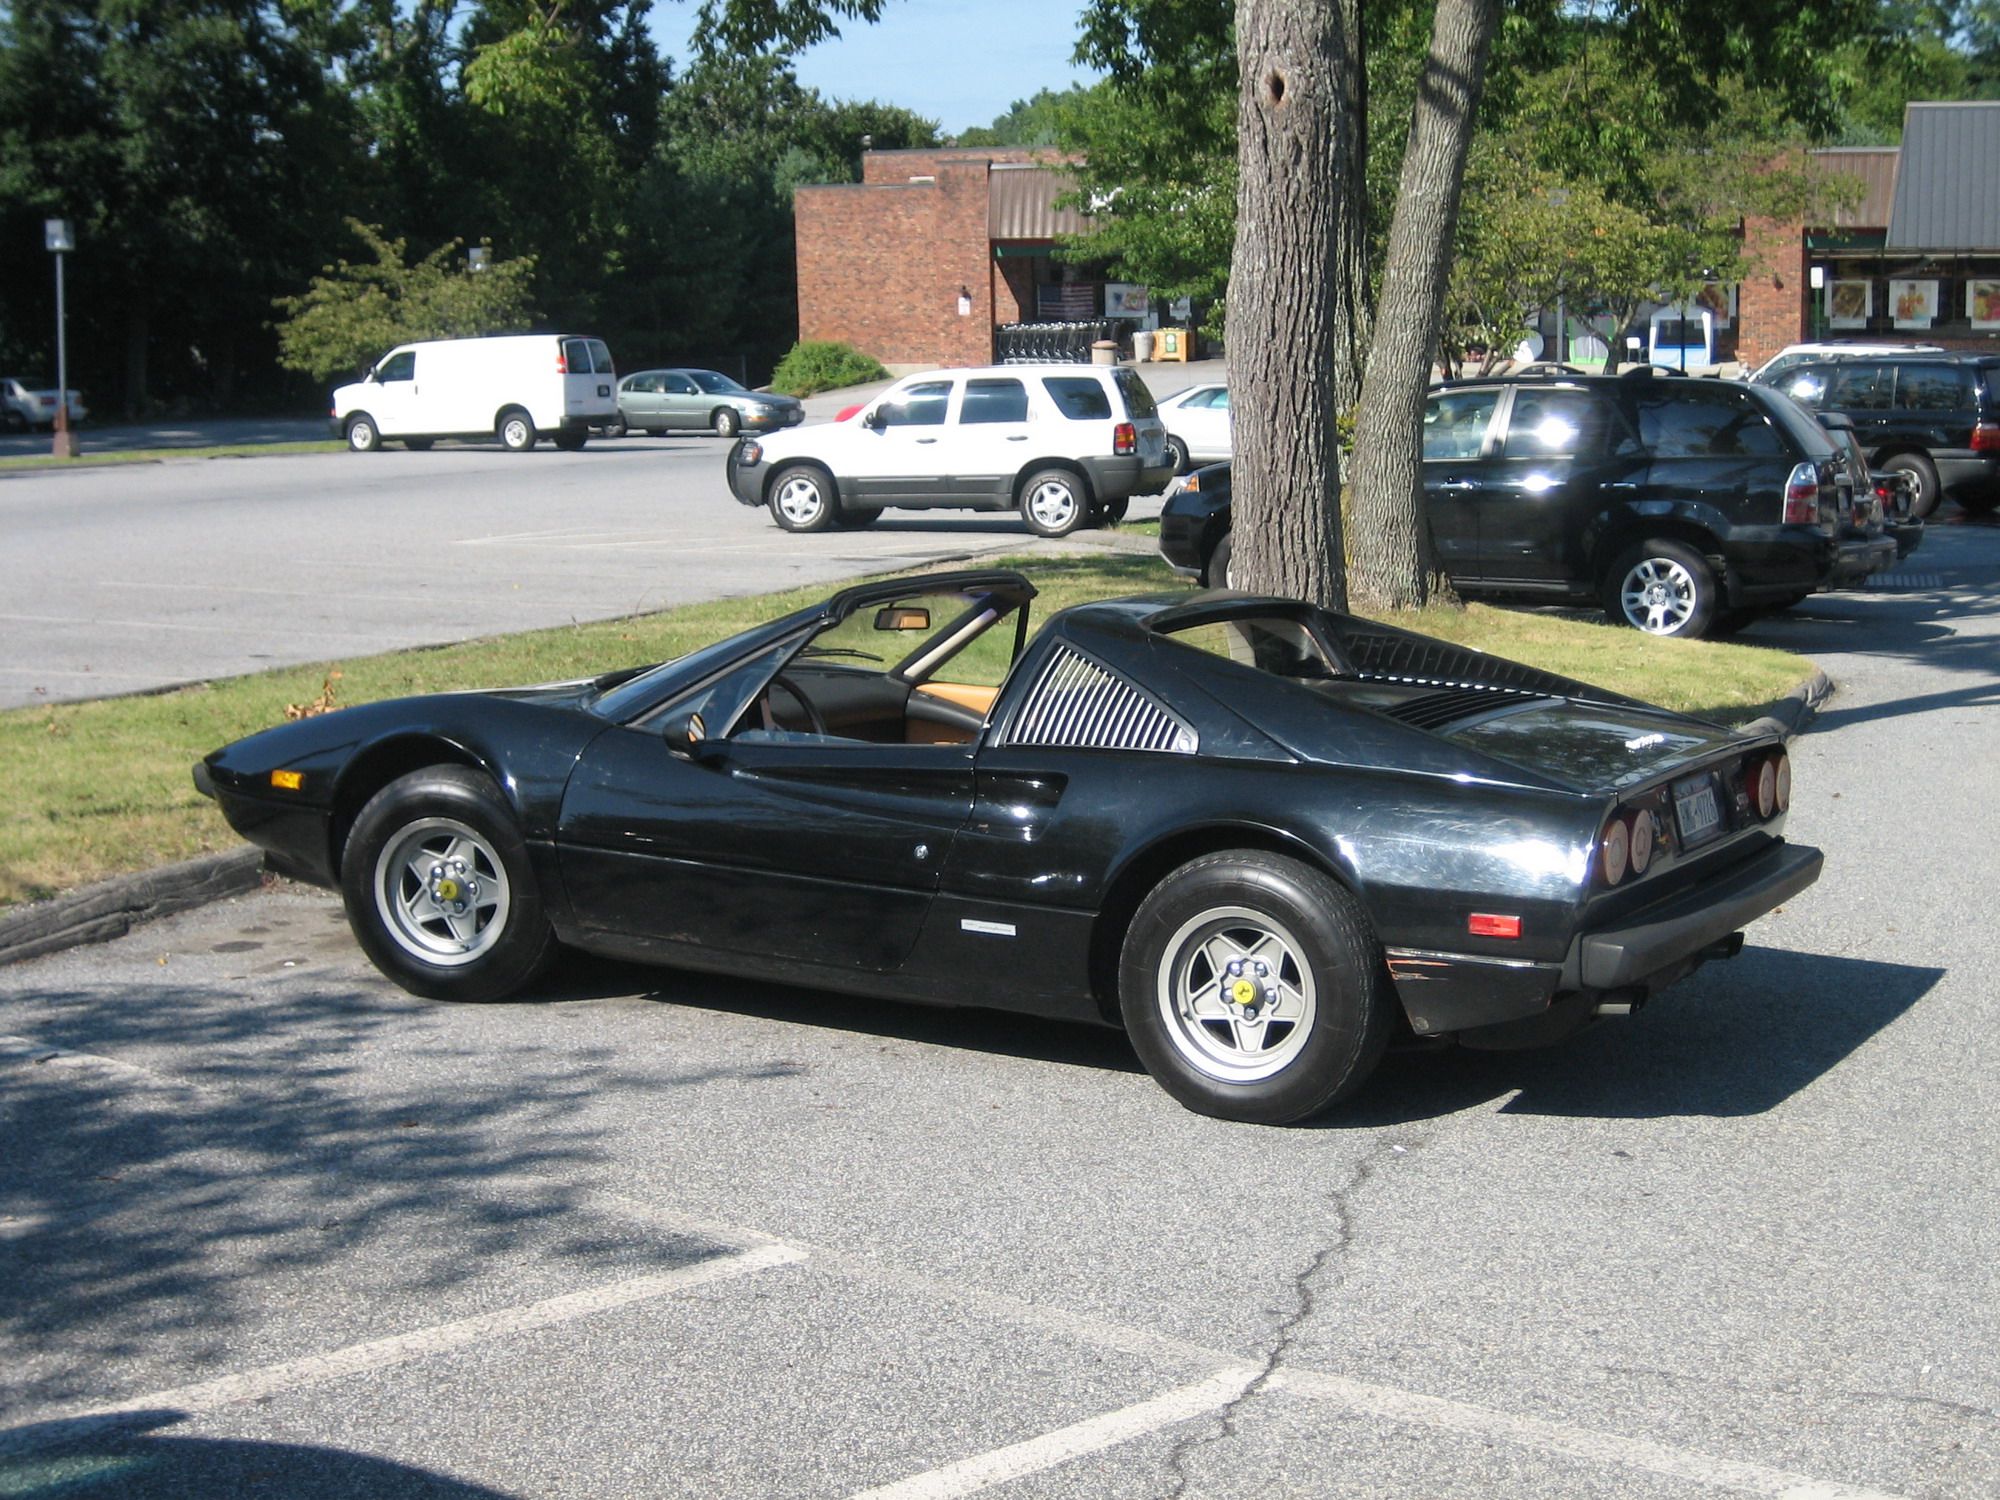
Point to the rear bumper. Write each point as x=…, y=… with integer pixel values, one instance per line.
x=1656, y=944
x=1860, y=556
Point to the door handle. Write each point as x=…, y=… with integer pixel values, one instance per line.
x=1458, y=484
x=927, y=440
x=1017, y=437
x=1623, y=484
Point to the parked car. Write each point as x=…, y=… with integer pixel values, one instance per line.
x=515, y=387
x=1260, y=836
x=1065, y=445
x=1936, y=417
x=657, y=401
x=1679, y=505
x=1197, y=426
x=1798, y=354
x=27, y=403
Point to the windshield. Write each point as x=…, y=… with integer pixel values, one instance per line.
x=714, y=384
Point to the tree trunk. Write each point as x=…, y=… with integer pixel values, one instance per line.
x=1393, y=566
x=1350, y=287
x=1298, y=63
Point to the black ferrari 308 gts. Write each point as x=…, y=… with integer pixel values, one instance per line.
x=1260, y=836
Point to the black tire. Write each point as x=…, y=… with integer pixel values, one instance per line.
x=516, y=430
x=439, y=889
x=418, y=445
x=570, y=440
x=1923, y=474
x=1983, y=503
x=801, y=498
x=1054, y=502
x=854, y=519
x=1216, y=575
x=1178, y=452
x=1113, y=511
x=1210, y=1035
x=13, y=421
x=1662, y=587
x=616, y=428
x=363, y=436
x=726, y=422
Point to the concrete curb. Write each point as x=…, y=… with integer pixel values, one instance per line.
x=1796, y=709
x=112, y=908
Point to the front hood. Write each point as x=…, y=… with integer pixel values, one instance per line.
x=1589, y=746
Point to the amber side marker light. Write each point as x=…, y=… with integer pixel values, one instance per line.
x=1493, y=924
x=288, y=781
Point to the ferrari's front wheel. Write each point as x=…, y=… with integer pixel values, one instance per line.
x=1254, y=989
x=439, y=889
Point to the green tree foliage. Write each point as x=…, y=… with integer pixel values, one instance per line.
x=355, y=311
x=815, y=366
x=1028, y=122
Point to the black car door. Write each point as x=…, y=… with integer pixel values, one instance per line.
x=1564, y=456
x=1456, y=424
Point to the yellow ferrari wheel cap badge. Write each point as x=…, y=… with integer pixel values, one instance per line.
x=447, y=890
x=1244, y=992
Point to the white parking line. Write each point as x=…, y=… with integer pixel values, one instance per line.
x=399, y=1349
x=970, y=1475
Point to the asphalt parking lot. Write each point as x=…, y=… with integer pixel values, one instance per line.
x=269, y=1226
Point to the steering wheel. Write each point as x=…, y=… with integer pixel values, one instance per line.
x=813, y=716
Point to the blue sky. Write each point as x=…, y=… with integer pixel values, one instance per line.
x=959, y=62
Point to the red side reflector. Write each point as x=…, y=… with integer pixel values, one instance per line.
x=1493, y=924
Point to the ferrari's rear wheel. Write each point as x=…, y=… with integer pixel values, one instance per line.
x=1254, y=989
x=439, y=890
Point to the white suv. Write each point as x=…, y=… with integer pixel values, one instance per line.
x=1066, y=445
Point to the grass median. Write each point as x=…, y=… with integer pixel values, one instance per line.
x=101, y=458
x=102, y=787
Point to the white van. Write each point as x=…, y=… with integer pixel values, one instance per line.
x=515, y=388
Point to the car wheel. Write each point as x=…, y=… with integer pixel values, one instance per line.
x=801, y=498
x=1983, y=503
x=362, y=434
x=570, y=441
x=1663, y=588
x=1178, y=453
x=1923, y=474
x=1113, y=511
x=725, y=422
x=1253, y=988
x=1052, y=502
x=1217, y=574
x=616, y=427
x=439, y=890
x=516, y=430
x=418, y=445
x=14, y=421
x=859, y=518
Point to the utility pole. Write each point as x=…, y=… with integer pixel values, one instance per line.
x=60, y=239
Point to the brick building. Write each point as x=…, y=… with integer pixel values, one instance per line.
x=920, y=261
x=1915, y=259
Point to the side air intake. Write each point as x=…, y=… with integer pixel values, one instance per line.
x=1079, y=704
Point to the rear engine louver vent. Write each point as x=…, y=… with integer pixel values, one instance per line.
x=1449, y=705
x=1081, y=705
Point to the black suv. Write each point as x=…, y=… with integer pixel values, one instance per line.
x=1935, y=417
x=1680, y=505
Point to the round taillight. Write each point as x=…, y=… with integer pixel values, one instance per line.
x=1642, y=842
x=1764, y=788
x=1784, y=765
x=1616, y=843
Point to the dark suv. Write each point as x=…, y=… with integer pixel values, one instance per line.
x=1680, y=505
x=1935, y=417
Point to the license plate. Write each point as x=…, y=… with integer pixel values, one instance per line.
x=1696, y=810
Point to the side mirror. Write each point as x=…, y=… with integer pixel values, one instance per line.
x=685, y=733
x=874, y=420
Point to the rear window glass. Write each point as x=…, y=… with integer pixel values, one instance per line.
x=1694, y=424
x=1281, y=647
x=600, y=358
x=1138, y=400
x=1806, y=434
x=994, y=401
x=1079, y=397
x=1455, y=423
x=1554, y=424
x=1934, y=388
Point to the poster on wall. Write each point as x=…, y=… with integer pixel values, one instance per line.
x=1849, y=304
x=1124, y=299
x=1720, y=301
x=1913, y=304
x=1982, y=303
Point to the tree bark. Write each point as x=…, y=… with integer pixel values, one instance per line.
x=1393, y=565
x=1351, y=330
x=1299, y=63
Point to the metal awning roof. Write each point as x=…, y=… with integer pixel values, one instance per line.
x=1020, y=204
x=1947, y=193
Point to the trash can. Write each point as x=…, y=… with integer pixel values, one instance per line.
x=1104, y=352
x=1174, y=344
x=1142, y=345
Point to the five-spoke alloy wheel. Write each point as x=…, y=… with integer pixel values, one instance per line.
x=1662, y=588
x=801, y=498
x=1052, y=502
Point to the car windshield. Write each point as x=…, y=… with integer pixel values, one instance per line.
x=714, y=384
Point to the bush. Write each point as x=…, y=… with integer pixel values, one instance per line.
x=814, y=367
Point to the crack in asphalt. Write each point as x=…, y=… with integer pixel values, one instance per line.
x=1223, y=1427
